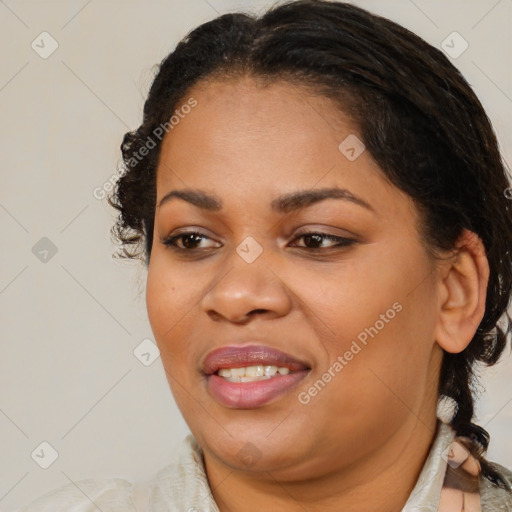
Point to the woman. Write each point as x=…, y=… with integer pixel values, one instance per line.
x=322, y=207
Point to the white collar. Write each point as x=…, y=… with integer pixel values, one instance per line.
x=426, y=493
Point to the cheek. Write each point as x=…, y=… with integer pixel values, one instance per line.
x=167, y=323
x=170, y=294
x=173, y=297
x=166, y=308
x=347, y=301
x=381, y=324
x=157, y=299
x=380, y=386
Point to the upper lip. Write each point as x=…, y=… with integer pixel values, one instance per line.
x=233, y=356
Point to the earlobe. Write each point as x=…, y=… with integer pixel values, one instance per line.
x=463, y=281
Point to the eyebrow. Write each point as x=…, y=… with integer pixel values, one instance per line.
x=283, y=204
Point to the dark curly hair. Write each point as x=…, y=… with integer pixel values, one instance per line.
x=417, y=115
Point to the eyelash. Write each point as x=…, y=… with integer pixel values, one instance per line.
x=341, y=241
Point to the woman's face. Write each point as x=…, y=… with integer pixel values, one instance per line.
x=355, y=315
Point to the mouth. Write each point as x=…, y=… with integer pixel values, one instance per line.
x=251, y=376
x=252, y=373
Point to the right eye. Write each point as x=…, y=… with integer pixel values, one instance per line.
x=188, y=240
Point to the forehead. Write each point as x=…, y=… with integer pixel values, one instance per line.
x=242, y=113
x=245, y=139
x=242, y=124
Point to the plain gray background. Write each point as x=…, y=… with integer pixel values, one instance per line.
x=71, y=317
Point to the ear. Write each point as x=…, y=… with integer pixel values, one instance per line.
x=462, y=292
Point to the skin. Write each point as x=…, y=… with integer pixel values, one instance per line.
x=374, y=423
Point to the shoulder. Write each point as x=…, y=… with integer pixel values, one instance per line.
x=107, y=495
x=494, y=497
x=173, y=487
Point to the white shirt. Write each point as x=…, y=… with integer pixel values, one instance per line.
x=183, y=486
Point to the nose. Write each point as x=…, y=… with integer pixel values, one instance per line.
x=246, y=290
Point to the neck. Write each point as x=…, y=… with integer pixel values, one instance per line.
x=381, y=482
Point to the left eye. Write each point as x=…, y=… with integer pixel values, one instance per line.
x=317, y=238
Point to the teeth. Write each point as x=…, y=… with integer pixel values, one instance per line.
x=252, y=373
x=251, y=379
x=270, y=370
x=237, y=372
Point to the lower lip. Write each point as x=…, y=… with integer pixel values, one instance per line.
x=248, y=395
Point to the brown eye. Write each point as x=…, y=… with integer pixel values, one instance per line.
x=189, y=241
x=313, y=240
